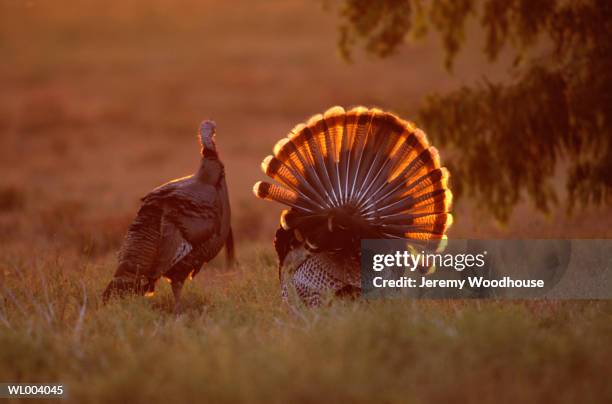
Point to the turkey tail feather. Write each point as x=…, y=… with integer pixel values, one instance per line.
x=364, y=172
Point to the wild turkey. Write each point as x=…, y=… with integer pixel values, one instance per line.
x=347, y=176
x=180, y=226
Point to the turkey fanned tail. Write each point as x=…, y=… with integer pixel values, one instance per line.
x=362, y=169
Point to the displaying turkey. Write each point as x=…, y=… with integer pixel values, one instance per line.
x=347, y=176
x=180, y=226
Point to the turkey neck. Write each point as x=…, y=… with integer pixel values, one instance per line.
x=211, y=169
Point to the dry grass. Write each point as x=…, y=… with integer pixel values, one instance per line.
x=236, y=342
x=99, y=103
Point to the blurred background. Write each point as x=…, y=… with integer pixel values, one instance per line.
x=100, y=103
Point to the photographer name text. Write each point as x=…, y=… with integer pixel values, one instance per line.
x=409, y=262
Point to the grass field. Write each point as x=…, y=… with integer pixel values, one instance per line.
x=236, y=342
x=100, y=102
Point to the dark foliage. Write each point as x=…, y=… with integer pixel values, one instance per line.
x=507, y=139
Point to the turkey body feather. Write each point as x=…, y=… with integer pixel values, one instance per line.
x=346, y=176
